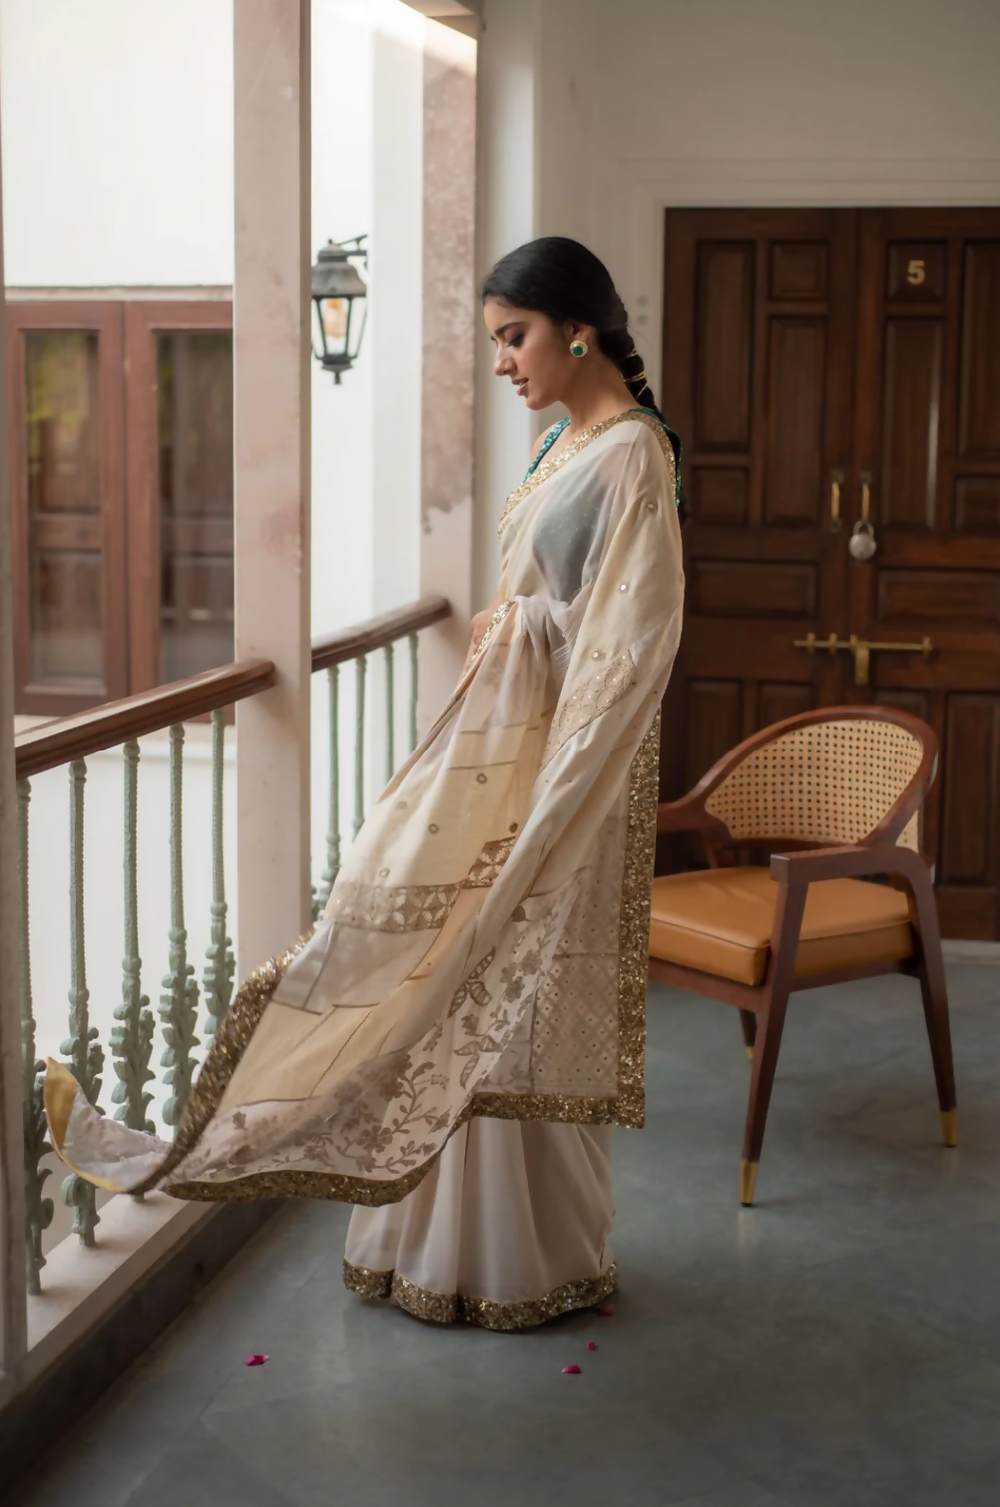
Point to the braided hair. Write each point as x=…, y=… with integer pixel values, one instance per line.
x=565, y=281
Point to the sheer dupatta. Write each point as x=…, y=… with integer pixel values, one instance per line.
x=484, y=947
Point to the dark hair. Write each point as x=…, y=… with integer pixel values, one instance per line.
x=561, y=278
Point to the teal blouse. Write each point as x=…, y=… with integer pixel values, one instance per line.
x=560, y=425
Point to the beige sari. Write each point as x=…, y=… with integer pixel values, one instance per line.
x=483, y=952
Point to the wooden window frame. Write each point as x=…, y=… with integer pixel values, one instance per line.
x=105, y=321
x=130, y=541
x=144, y=321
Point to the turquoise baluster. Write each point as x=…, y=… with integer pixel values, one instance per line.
x=413, y=691
x=390, y=713
x=132, y=1036
x=179, y=1002
x=38, y=1208
x=86, y=1056
x=220, y=967
x=361, y=670
x=322, y=892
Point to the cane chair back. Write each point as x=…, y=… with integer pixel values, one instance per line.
x=823, y=781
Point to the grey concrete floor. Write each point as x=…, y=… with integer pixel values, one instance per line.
x=838, y=1344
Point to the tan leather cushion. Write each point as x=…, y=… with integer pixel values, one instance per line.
x=719, y=921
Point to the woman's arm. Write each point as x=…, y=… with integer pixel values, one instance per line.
x=480, y=623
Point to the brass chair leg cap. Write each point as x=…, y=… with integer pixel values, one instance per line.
x=748, y=1182
x=949, y=1126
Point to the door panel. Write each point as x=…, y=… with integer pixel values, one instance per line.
x=913, y=351
x=714, y=721
x=758, y=381
x=776, y=702
x=796, y=399
x=723, y=346
x=67, y=505
x=181, y=486
x=979, y=402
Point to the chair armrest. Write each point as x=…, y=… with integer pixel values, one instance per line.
x=847, y=863
x=689, y=816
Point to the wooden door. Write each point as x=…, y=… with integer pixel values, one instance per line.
x=818, y=362
x=927, y=447
x=758, y=377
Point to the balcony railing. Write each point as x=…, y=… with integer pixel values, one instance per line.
x=186, y=1007
x=355, y=645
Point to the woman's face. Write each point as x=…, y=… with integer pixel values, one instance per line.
x=533, y=353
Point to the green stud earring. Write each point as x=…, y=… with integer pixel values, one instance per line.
x=578, y=348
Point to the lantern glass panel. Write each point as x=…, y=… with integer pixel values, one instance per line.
x=335, y=318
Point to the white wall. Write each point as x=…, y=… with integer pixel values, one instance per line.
x=639, y=104
x=118, y=141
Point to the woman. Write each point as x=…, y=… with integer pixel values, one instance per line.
x=452, y=1046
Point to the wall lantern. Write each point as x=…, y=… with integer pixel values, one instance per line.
x=337, y=286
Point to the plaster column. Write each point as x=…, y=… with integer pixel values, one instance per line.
x=271, y=360
x=13, y=1293
x=506, y=215
x=451, y=329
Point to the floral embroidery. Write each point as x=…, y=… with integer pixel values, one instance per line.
x=489, y=863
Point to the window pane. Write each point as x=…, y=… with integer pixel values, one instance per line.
x=62, y=405
x=195, y=378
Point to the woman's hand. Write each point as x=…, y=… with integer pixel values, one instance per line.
x=480, y=623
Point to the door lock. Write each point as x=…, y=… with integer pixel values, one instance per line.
x=862, y=543
x=862, y=649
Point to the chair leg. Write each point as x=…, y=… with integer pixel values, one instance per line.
x=765, y=1061
x=748, y=1021
x=785, y=931
x=934, y=993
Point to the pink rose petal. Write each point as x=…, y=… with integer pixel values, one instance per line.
x=592, y=1346
x=571, y=1371
x=256, y=1360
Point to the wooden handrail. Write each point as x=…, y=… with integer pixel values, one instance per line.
x=351, y=643
x=67, y=738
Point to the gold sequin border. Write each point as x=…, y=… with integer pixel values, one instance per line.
x=626, y=1110
x=586, y=437
x=489, y=634
x=367, y=1282
x=228, y=1045
x=633, y=920
x=458, y=1308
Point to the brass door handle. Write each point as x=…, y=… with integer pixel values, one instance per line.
x=862, y=649
x=836, y=482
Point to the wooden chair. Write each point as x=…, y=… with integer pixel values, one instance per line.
x=840, y=792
